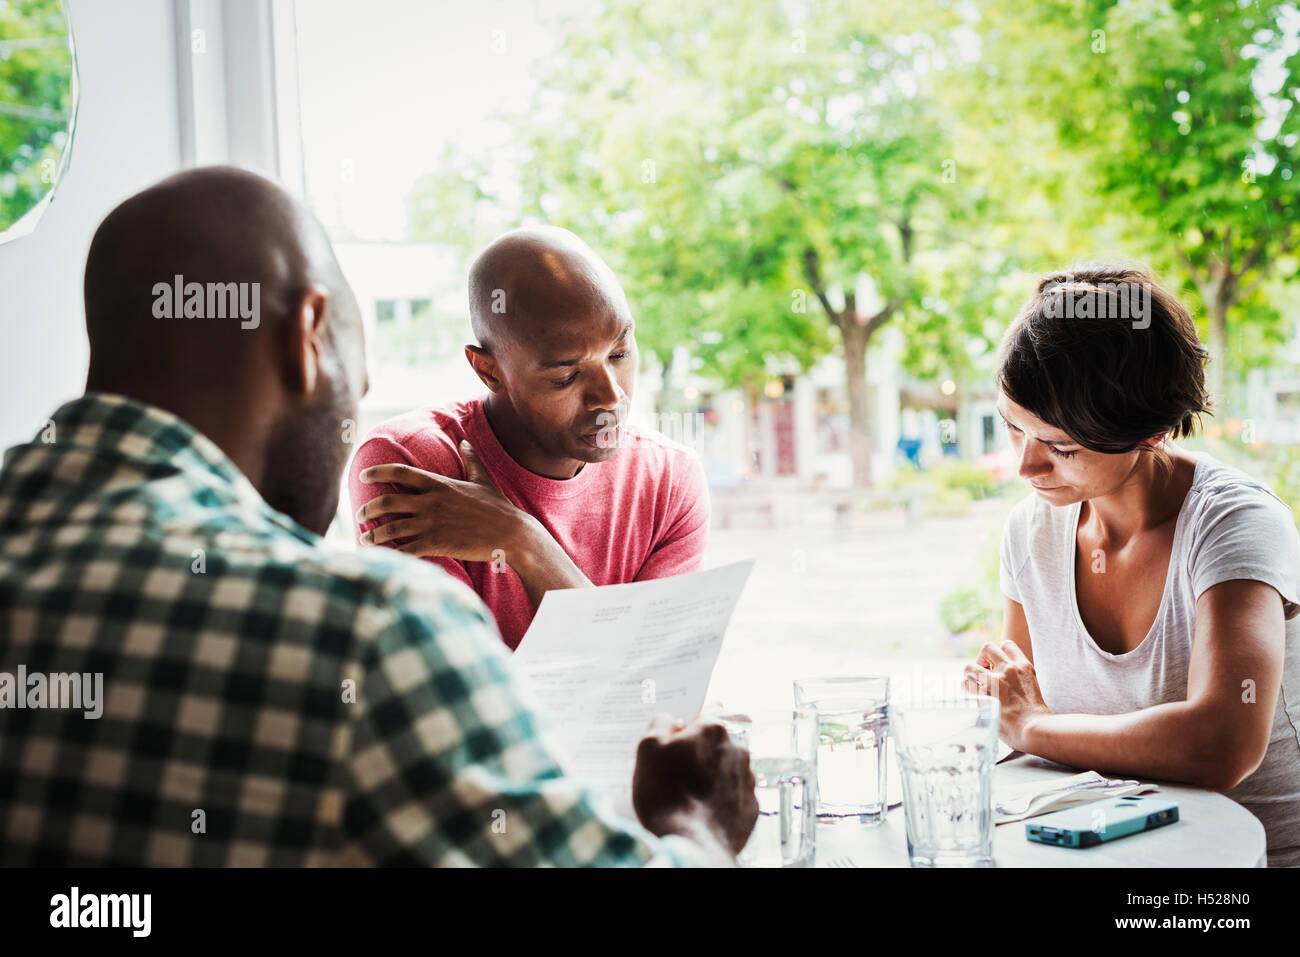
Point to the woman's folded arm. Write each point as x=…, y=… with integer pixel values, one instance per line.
x=1216, y=737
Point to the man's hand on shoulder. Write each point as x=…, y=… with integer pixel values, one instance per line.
x=467, y=519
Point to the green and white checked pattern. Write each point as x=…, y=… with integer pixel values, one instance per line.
x=227, y=636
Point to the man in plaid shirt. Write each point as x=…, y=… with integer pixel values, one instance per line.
x=266, y=700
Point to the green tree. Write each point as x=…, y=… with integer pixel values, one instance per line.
x=35, y=103
x=764, y=180
x=775, y=180
x=768, y=178
x=1181, y=118
x=457, y=203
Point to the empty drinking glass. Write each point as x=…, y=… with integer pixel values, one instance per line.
x=946, y=752
x=783, y=755
x=852, y=732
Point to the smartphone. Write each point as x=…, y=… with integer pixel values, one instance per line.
x=1090, y=824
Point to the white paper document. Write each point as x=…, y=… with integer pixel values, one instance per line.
x=600, y=662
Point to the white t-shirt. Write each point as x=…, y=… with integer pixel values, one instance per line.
x=1230, y=527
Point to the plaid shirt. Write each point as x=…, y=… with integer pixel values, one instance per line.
x=266, y=700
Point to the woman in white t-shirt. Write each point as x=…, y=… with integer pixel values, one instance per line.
x=1152, y=594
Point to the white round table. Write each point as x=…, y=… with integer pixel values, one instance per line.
x=1212, y=831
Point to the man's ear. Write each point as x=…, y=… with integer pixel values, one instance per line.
x=485, y=367
x=307, y=334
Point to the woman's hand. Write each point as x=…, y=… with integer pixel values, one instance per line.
x=1004, y=672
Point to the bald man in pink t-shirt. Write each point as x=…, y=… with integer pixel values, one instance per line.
x=542, y=483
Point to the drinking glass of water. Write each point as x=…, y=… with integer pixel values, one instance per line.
x=783, y=755
x=852, y=746
x=946, y=751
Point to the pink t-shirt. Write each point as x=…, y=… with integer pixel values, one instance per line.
x=642, y=514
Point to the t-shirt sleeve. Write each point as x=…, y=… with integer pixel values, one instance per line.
x=681, y=549
x=1009, y=564
x=1245, y=533
x=381, y=450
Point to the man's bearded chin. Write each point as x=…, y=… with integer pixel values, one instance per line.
x=305, y=456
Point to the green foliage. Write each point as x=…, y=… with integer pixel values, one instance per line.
x=963, y=609
x=978, y=481
x=1180, y=121
x=742, y=167
x=454, y=204
x=35, y=102
x=975, y=611
x=1282, y=474
x=949, y=501
x=753, y=168
x=1286, y=481
x=974, y=481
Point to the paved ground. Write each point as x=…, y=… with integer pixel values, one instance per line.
x=864, y=600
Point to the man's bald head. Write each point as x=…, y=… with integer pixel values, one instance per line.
x=534, y=278
x=557, y=348
x=210, y=225
x=275, y=392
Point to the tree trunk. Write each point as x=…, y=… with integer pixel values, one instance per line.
x=855, y=337
x=753, y=441
x=855, y=334
x=1218, y=291
x=1217, y=375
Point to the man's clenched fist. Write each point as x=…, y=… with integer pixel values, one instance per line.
x=692, y=775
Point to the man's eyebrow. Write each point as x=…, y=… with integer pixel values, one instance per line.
x=560, y=363
x=1053, y=442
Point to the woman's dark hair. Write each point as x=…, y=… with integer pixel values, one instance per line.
x=1108, y=356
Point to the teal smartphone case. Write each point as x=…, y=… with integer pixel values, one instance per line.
x=1091, y=824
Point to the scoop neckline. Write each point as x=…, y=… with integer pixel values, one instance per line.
x=1072, y=543
x=493, y=454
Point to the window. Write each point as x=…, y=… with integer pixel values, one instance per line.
x=38, y=106
x=385, y=311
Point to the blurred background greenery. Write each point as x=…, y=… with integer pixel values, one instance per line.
x=36, y=103
x=779, y=183
x=910, y=164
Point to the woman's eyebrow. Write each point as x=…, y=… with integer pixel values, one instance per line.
x=1052, y=442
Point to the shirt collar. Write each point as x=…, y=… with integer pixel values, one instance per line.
x=505, y=469
x=106, y=424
